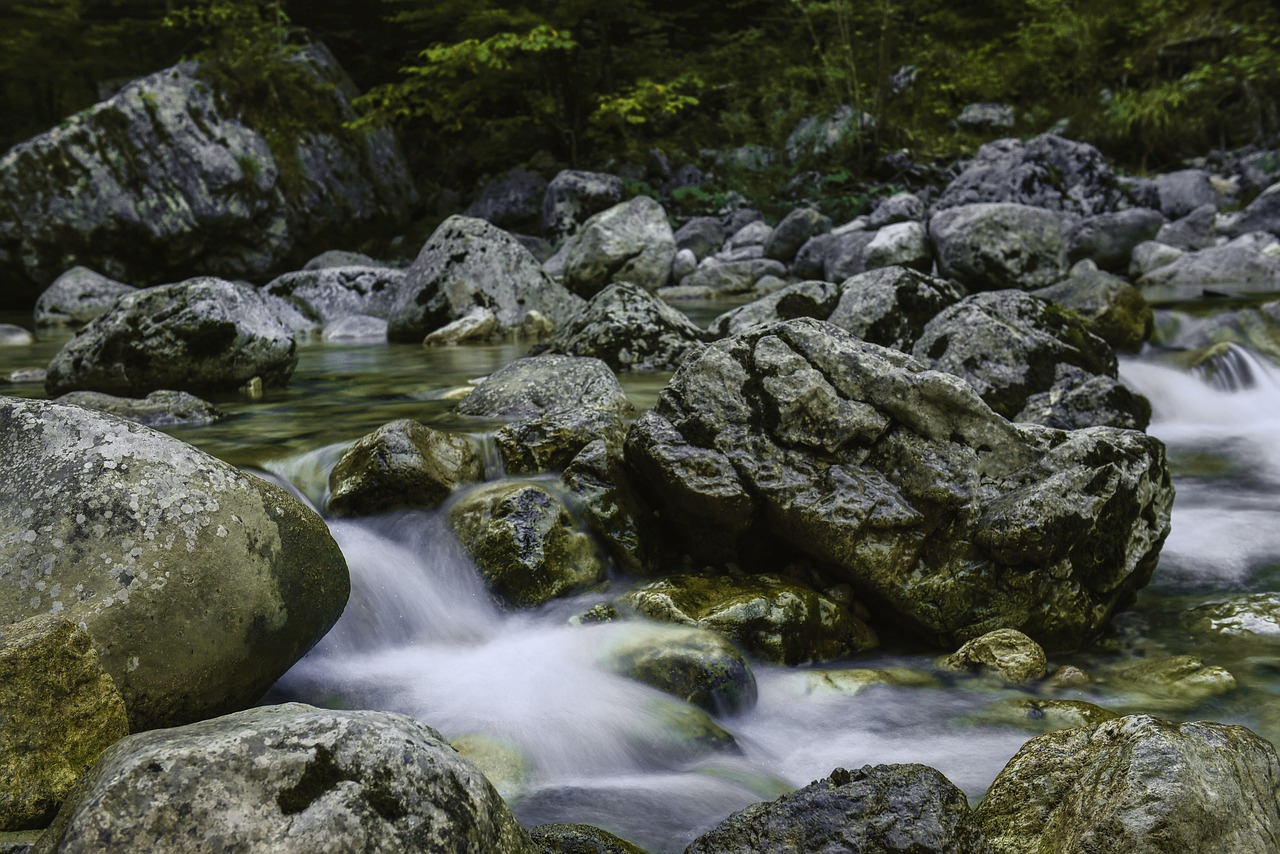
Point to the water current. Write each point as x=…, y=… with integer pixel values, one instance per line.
x=566, y=739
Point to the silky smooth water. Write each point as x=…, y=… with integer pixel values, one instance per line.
x=578, y=742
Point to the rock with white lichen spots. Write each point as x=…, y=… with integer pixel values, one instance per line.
x=198, y=584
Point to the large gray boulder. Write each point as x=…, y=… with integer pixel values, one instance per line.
x=1109, y=239
x=629, y=329
x=1250, y=263
x=1045, y=172
x=702, y=235
x=903, y=244
x=199, y=585
x=332, y=293
x=901, y=482
x=1183, y=191
x=1197, y=229
x=885, y=809
x=1262, y=214
x=203, y=335
x=76, y=297
x=168, y=178
x=512, y=200
x=290, y=778
x=1114, y=309
x=1011, y=346
x=573, y=196
x=468, y=264
x=793, y=231
x=1137, y=784
x=631, y=242
x=987, y=247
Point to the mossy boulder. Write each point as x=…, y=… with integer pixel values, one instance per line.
x=1007, y=653
x=401, y=464
x=59, y=710
x=1039, y=714
x=779, y=621
x=1114, y=310
x=525, y=543
x=579, y=839
x=198, y=584
x=600, y=486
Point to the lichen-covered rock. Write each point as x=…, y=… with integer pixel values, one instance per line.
x=1046, y=172
x=903, y=244
x=573, y=196
x=288, y=778
x=696, y=665
x=332, y=293
x=631, y=242
x=401, y=464
x=793, y=231
x=60, y=710
x=877, y=810
x=846, y=254
x=77, y=296
x=159, y=409
x=1007, y=653
x=169, y=178
x=1137, y=784
x=527, y=546
x=814, y=299
x=556, y=404
x=1010, y=346
x=579, y=839
x=1183, y=191
x=513, y=200
x=702, y=235
x=629, y=329
x=901, y=482
x=1175, y=683
x=1044, y=715
x=1115, y=310
x=204, y=335
x=891, y=306
x=778, y=620
x=603, y=494
x=1247, y=264
x=987, y=247
x=1194, y=231
x=1108, y=239
x=811, y=261
x=900, y=207
x=199, y=585
x=468, y=263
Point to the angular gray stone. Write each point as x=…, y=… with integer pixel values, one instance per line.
x=846, y=254
x=986, y=116
x=903, y=244
x=342, y=258
x=604, y=496
x=203, y=335
x=1196, y=229
x=1114, y=309
x=572, y=196
x=1183, y=191
x=1262, y=214
x=77, y=296
x=199, y=585
x=891, y=306
x=1249, y=263
x=629, y=329
x=900, y=207
x=631, y=242
x=703, y=235
x=1108, y=239
x=288, y=778
x=987, y=247
x=794, y=231
x=332, y=293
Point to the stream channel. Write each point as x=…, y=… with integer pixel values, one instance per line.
x=565, y=739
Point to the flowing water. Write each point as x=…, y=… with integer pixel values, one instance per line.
x=565, y=739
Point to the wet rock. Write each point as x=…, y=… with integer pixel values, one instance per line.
x=905, y=244
x=1262, y=214
x=855, y=680
x=1046, y=172
x=503, y=764
x=900, y=207
x=1007, y=653
x=77, y=296
x=631, y=242
x=1114, y=309
x=1108, y=239
x=176, y=180
x=695, y=665
x=603, y=494
x=891, y=306
x=204, y=336
x=12, y=335
x=159, y=409
x=199, y=585
x=60, y=711
x=901, y=482
x=1255, y=617
x=1173, y=683
x=779, y=621
x=846, y=255
x=1255, y=328
x=988, y=247
x=885, y=808
x=1196, y=230
x=556, y=404
x=401, y=464
x=803, y=299
x=1078, y=399
x=468, y=263
x=1042, y=715
x=332, y=293
x=702, y=235
x=573, y=196
x=1137, y=784
x=1183, y=191
x=794, y=230
x=342, y=258
x=579, y=839
x=288, y=777
x=356, y=329
x=525, y=543
x=513, y=200
x=630, y=330
x=1247, y=264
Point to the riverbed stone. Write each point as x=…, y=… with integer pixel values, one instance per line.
x=342, y=258
x=180, y=174
x=1137, y=784
x=526, y=544
x=403, y=463
x=1250, y=618
x=775, y=619
x=855, y=680
x=603, y=493
x=900, y=207
x=60, y=711
x=629, y=329
x=1257, y=328
x=1039, y=715
x=203, y=336
x=1247, y=264
x=1262, y=214
x=793, y=231
x=1108, y=239
x=846, y=254
x=891, y=306
x=468, y=263
x=1151, y=255
x=76, y=297
x=902, y=482
x=630, y=242
x=882, y=808
x=512, y=200
x=162, y=408
x=988, y=247
x=903, y=244
x=811, y=261
x=696, y=665
x=288, y=778
x=1115, y=310
x=1175, y=683
x=571, y=198
x=579, y=839
x=332, y=293
x=702, y=235
x=1195, y=231
x=1008, y=653
x=1183, y=191
x=355, y=329
x=815, y=299
x=199, y=585
x=12, y=335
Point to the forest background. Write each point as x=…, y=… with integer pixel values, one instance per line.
x=477, y=87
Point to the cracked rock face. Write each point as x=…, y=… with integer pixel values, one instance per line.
x=199, y=585
x=903, y=483
x=289, y=778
